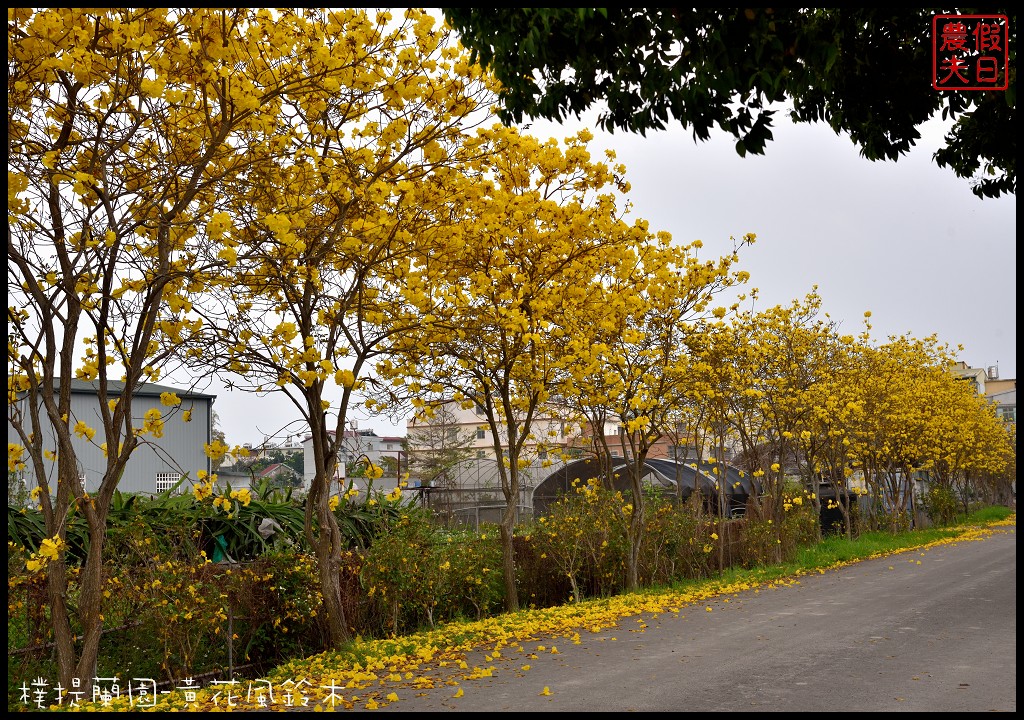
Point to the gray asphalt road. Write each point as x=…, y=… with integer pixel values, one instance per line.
x=931, y=630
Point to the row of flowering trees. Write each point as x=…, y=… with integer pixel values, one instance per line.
x=783, y=392
x=794, y=395
x=317, y=203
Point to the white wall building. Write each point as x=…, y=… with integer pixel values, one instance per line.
x=358, y=446
x=469, y=426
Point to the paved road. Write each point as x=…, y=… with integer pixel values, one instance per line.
x=930, y=630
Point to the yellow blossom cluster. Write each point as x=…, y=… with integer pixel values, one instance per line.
x=84, y=431
x=152, y=423
x=169, y=399
x=15, y=457
x=49, y=550
x=202, y=491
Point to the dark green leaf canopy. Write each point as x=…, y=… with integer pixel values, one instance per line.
x=864, y=71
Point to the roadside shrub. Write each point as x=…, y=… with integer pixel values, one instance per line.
x=894, y=521
x=540, y=585
x=583, y=537
x=478, y=588
x=680, y=542
x=801, y=524
x=206, y=616
x=940, y=504
x=27, y=622
x=767, y=541
x=420, y=573
x=761, y=542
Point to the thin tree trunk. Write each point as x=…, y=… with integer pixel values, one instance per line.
x=328, y=551
x=508, y=555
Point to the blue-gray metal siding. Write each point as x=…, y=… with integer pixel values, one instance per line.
x=180, y=450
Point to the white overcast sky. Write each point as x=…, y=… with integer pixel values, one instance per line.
x=905, y=240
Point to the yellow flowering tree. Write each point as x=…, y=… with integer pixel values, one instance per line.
x=891, y=446
x=633, y=361
x=539, y=225
x=996, y=477
x=787, y=353
x=712, y=377
x=963, y=436
x=124, y=125
x=315, y=246
x=835, y=408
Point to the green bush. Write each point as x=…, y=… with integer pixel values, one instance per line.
x=680, y=542
x=420, y=573
x=583, y=537
x=940, y=504
x=540, y=585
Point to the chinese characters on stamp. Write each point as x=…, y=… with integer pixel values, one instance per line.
x=969, y=52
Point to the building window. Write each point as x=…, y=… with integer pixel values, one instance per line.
x=542, y=454
x=165, y=481
x=1008, y=413
x=481, y=454
x=481, y=434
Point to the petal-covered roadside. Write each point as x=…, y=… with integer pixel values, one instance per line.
x=373, y=674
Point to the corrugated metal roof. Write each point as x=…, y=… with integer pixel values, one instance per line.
x=116, y=387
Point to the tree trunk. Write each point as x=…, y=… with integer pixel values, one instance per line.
x=636, y=536
x=508, y=556
x=328, y=553
x=72, y=664
x=326, y=540
x=635, y=530
x=56, y=590
x=90, y=604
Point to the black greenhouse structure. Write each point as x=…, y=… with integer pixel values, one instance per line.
x=663, y=475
